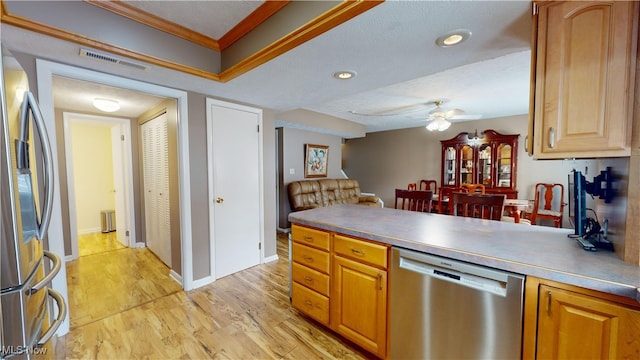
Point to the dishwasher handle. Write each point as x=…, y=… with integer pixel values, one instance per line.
x=463, y=274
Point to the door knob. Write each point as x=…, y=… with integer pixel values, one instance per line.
x=219, y=200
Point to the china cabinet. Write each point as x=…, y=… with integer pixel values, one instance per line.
x=489, y=159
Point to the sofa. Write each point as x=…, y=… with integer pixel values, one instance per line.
x=311, y=194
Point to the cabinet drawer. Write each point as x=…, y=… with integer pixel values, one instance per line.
x=313, y=258
x=310, y=303
x=310, y=278
x=316, y=238
x=361, y=251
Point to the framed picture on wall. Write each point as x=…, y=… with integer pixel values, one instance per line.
x=316, y=160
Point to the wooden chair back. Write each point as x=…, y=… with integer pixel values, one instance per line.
x=549, y=203
x=482, y=206
x=413, y=200
x=473, y=188
x=412, y=186
x=444, y=198
x=428, y=185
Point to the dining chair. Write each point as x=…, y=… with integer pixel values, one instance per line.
x=428, y=185
x=445, y=196
x=474, y=188
x=548, y=204
x=412, y=186
x=483, y=206
x=413, y=200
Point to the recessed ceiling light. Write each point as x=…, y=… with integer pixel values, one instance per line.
x=452, y=38
x=106, y=105
x=344, y=75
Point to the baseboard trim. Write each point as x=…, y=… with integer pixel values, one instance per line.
x=89, y=231
x=175, y=276
x=270, y=259
x=202, y=282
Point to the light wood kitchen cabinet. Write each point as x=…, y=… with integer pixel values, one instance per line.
x=341, y=282
x=359, y=293
x=583, y=65
x=575, y=323
x=310, y=266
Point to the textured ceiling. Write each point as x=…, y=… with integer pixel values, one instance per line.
x=391, y=47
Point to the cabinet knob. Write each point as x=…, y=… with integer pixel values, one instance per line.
x=219, y=200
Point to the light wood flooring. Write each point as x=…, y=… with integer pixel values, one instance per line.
x=246, y=315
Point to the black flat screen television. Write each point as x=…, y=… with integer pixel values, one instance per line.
x=578, y=202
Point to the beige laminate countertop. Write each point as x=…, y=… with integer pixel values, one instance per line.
x=539, y=251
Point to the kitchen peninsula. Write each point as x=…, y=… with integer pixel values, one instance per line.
x=546, y=256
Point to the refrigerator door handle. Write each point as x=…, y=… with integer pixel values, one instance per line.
x=55, y=268
x=47, y=154
x=62, y=314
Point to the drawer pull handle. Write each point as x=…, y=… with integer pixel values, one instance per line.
x=549, y=303
x=380, y=281
x=552, y=137
x=358, y=252
x=308, y=279
x=308, y=258
x=308, y=238
x=308, y=303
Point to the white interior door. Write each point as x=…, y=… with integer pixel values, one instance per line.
x=235, y=194
x=155, y=167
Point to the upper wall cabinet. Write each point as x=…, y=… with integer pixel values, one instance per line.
x=583, y=63
x=490, y=159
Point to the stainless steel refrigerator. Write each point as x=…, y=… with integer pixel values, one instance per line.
x=26, y=302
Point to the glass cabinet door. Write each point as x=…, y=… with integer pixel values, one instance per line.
x=503, y=166
x=466, y=165
x=484, y=165
x=450, y=166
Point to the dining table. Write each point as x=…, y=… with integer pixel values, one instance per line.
x=516, y=206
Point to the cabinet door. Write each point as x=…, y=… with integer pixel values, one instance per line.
x=359, y=304
x=466, y=165
x=505, y=165
x=577, y=326
x=485, y=165
x=449, y=161
x=585, y=66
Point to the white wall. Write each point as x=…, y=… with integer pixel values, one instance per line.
x=92, y=173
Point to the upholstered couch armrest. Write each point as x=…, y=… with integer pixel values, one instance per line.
x=370, y=200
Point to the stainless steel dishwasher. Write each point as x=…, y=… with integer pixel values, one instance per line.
x=447, y=309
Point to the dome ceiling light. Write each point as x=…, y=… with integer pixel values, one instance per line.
x=106, y=105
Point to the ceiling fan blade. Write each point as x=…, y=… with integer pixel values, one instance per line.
x=399, y=111
x=466, y=117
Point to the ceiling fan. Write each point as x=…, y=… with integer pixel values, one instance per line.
x=438, y=118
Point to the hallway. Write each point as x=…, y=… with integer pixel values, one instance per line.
x=109, y=278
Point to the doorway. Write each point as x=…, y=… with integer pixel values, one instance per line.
x=99, y=176
x=46, y=71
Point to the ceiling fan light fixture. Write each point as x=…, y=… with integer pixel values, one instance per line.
x=453, y=38
x=439, y=123
x=106, y=105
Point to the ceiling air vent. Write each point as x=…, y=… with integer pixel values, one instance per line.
x=111, y=59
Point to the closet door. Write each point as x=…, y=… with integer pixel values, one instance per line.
x=156, y=187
